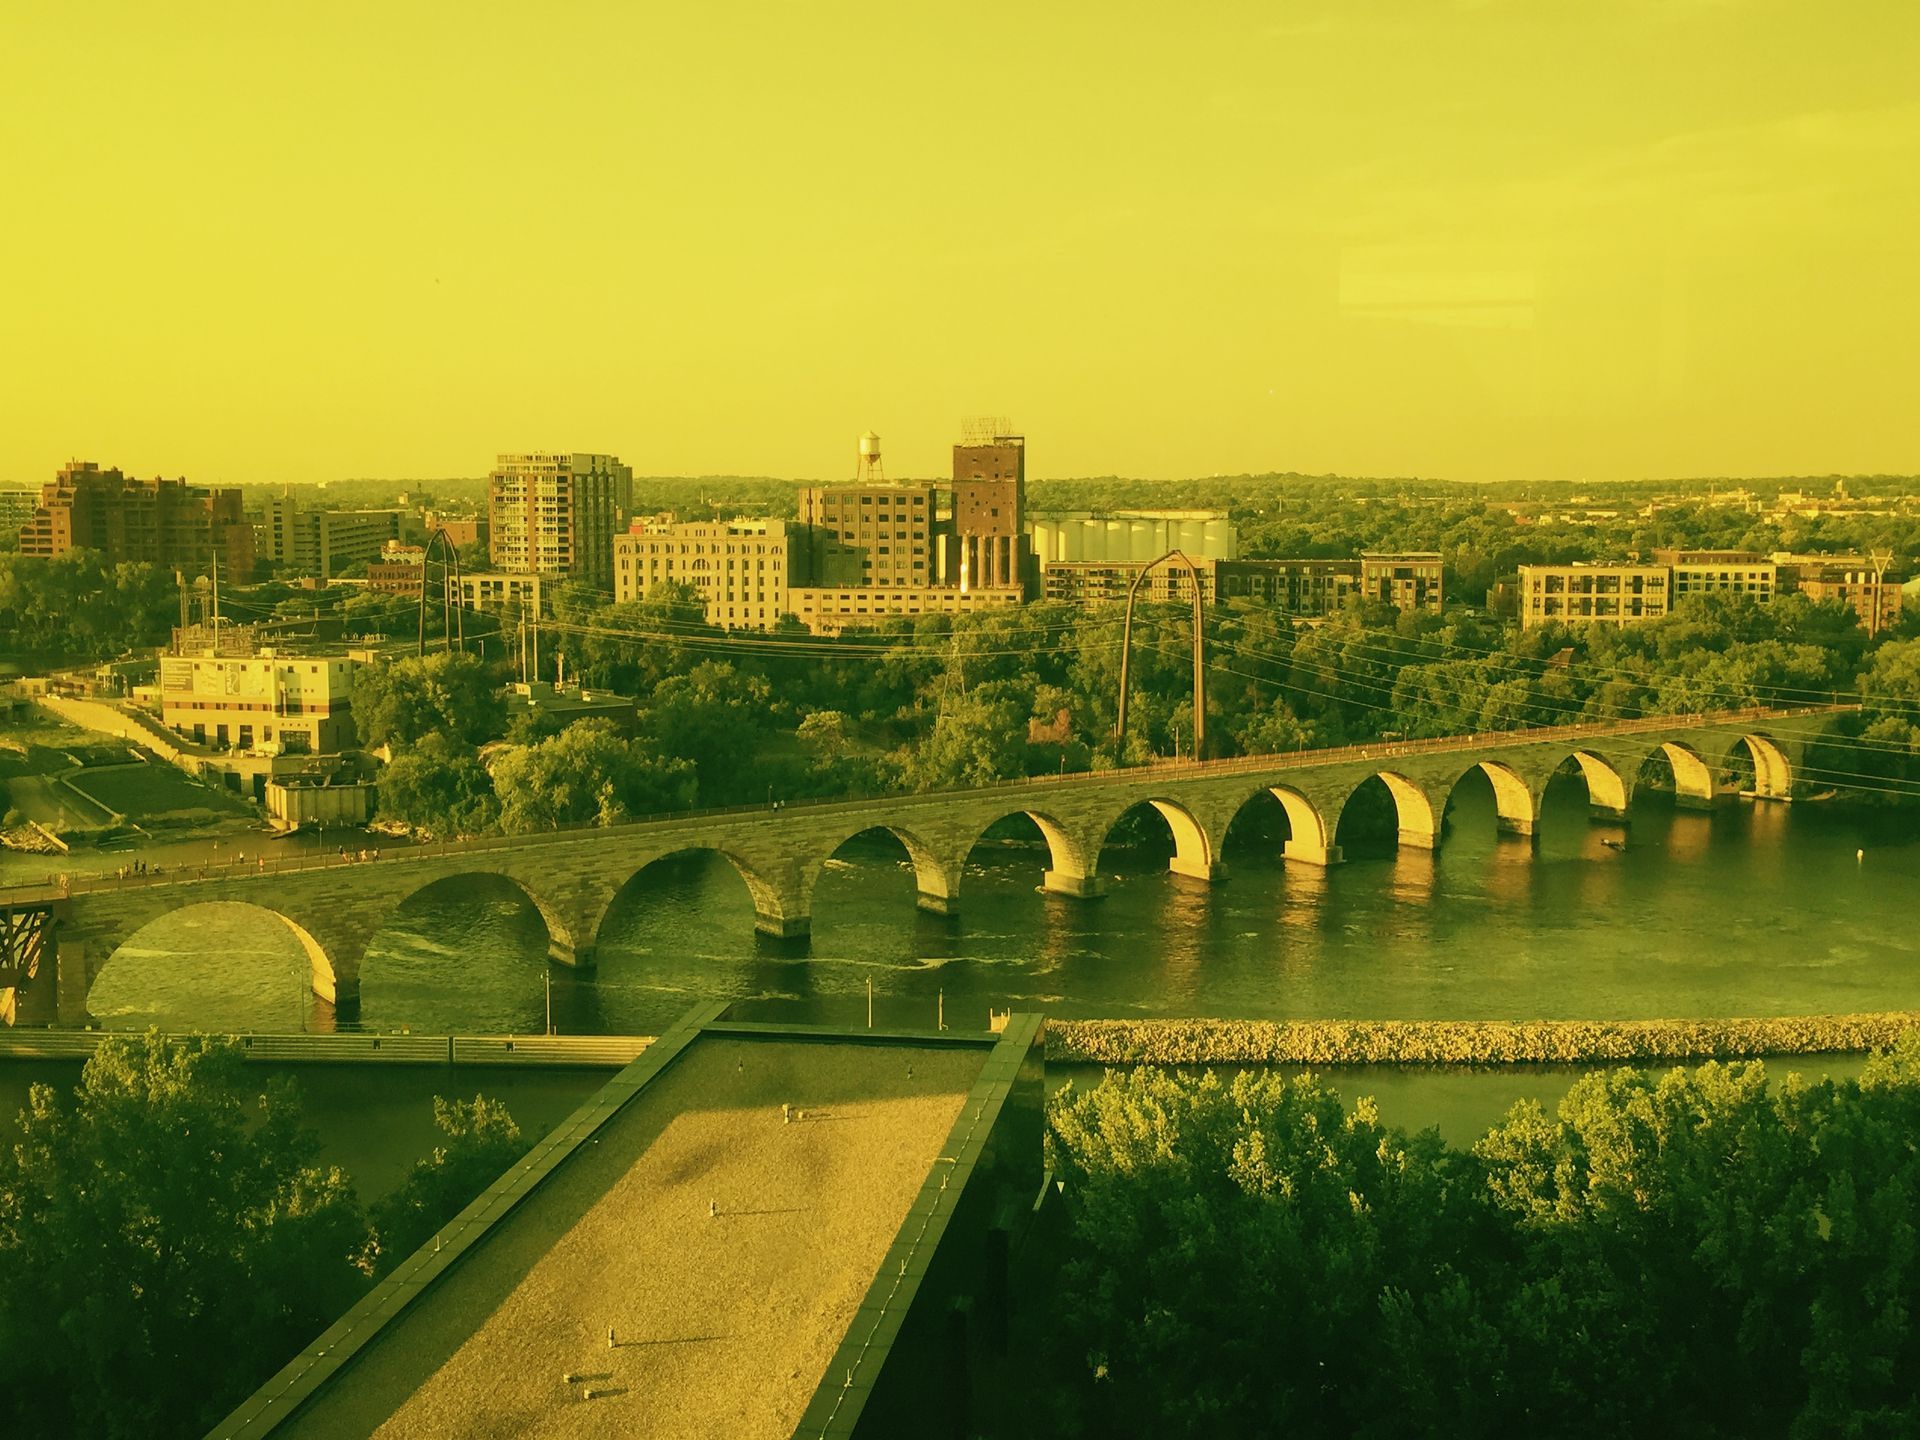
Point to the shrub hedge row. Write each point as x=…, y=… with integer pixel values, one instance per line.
x=1462, y=1042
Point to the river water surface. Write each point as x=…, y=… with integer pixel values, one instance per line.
x=1756, y=909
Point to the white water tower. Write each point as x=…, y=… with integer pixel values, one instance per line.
x=870, y=472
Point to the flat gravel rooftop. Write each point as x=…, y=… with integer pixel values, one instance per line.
x=722, y=1323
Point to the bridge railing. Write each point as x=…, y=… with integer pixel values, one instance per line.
x=68, y=883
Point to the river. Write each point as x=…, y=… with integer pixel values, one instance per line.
x=1755, y=909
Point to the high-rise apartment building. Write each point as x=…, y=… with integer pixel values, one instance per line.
x=989, y=540
x=557, y=514
x=742, y=568
x=17, y=504
x=161, y=522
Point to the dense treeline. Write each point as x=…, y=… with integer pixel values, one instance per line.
x=1696, y=1253
x=78, y=607
x=170, y=1238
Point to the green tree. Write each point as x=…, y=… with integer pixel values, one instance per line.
x=77, y=607
x=720, y=721
x=439, y=786
x=450, y=692
x=588, y=773
x=1231, y=1245
x=168, y=1241
x=979, y=738
x=482, y=1141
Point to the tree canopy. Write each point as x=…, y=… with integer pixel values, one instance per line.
x=1696, y=1252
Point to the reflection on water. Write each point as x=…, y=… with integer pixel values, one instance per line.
x=1756, y=909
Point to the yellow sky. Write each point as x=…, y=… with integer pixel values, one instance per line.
x=1472, y=238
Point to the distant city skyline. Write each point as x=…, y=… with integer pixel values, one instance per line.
x=1471, y=240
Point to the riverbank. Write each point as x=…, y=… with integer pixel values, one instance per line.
x=1465, y=1042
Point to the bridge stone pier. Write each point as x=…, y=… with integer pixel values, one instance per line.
x=573, y=877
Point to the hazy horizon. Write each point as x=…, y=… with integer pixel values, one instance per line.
x=1466, y=238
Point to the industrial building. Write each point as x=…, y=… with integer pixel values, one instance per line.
x=557, y=514
x=881, y=533
x=270, y=703
x=742, y=568
x=1131, y=536
x=987, y=548
x=159, y=522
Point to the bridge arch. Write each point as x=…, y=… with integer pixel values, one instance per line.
x=1193, y=851
x=773, y=912
x=1064, y=855
x=1772, y=770
x=1309, y=837
x=1608, y=791
x=335, y=985
x=1514, y=812
x=563, y=943
x=1418, y=825
x=937, y=885
x=1693, y=778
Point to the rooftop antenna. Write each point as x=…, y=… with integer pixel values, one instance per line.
x=985, y=429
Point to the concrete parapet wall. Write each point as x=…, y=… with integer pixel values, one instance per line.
x=610, y=1051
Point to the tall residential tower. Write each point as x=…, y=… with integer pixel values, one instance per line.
x=557, y=514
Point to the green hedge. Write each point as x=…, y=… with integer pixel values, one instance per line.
x=1462, y=1042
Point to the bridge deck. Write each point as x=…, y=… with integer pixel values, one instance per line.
x=1028, y=786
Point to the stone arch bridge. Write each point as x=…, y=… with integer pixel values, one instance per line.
x=572, y=876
